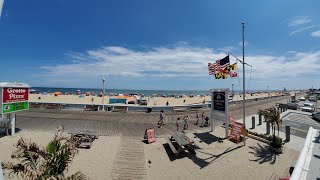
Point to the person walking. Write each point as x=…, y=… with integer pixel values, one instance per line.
x=161, y=122
x=202, y=118
x=177, y=123
x=197, y=116
x=186, y=123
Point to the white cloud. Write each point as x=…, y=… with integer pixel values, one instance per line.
x=178, y=61
x=302, y=29
x=299, y=21
x=315, y=34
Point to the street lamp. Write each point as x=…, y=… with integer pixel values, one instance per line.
x=268, y=91
x=103, y=93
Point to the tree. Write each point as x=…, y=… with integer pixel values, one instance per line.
x=37, y=162
x=272, y=115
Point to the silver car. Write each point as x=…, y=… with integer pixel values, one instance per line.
x=312, y=98
x=308, y=107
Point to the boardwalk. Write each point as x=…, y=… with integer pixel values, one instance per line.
x=132, y=124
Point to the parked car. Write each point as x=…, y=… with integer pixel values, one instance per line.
x=302, y=98
x=316, y=116
x=312, y=98
x=308, y=107
x=293, y=106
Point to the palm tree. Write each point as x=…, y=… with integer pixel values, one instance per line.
x=272, y=115
x=37, y=162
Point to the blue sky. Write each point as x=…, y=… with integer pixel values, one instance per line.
x=158, y=44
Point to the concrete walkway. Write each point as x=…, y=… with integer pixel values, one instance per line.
x=295, y=143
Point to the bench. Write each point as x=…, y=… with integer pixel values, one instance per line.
x=91, y=107
x=84, y=139
x=183, y=141
x=196, y=108
x=54, y=106
x=173, y=149
x=35, y=105
x=179, y=109
x=120, y=109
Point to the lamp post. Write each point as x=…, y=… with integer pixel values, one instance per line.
x=103, y=92
x=268, y=91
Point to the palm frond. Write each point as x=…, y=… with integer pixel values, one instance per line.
x=77, y=176
x=37, y=162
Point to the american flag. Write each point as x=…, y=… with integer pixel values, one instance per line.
x=213, y=68
x=218, y=66
x=223, y=63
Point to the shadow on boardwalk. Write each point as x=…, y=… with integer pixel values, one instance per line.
x=263, y=154
x=202, y=163
x=207, y=137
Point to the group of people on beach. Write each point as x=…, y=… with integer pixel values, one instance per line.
x=204, y=121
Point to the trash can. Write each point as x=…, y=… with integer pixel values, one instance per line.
x=149, y=109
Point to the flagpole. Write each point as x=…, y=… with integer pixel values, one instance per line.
x=244, y=89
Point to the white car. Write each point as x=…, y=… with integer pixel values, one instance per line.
x=312, y=98
x=308, y=107
x=302, y=98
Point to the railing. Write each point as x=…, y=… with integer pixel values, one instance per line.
x=109, y=107
x=299, y=167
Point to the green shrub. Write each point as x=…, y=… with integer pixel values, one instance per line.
x=277, y=143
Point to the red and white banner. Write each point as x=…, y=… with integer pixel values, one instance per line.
x=15, y=95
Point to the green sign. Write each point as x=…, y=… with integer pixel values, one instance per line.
x=13, y=107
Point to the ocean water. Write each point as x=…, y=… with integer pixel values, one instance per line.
x=120, y=91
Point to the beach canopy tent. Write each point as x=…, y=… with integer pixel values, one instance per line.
x=57, y=93
x=122, y=97
x=88, y=93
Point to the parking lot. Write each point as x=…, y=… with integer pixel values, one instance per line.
x=316, y=104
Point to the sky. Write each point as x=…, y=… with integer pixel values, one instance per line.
x=159, y=45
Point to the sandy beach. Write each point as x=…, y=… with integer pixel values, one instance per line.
x=152, y=101
x=213, y=161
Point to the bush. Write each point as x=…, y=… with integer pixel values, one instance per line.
x=277, y=143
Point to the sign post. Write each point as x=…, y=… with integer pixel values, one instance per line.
x=14, y=97
x=219, y=108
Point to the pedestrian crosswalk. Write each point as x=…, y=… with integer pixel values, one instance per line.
x=303, y=119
